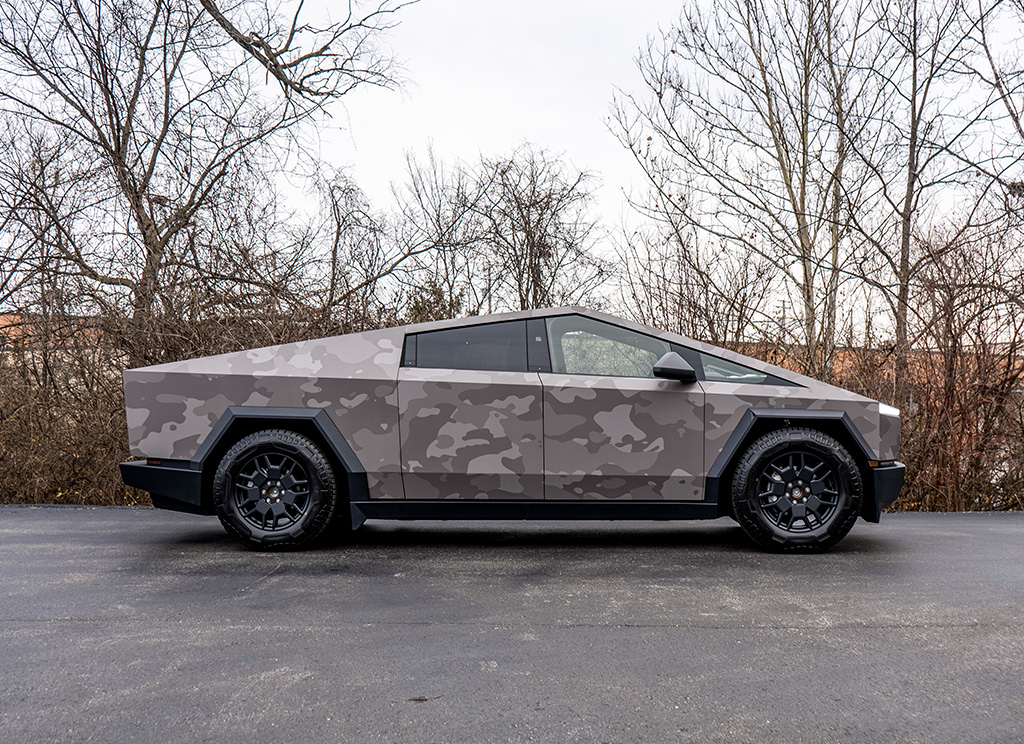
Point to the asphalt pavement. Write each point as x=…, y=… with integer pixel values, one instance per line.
x=147, y=626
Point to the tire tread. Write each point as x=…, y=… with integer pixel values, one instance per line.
x=777, y=441
x=307, y=532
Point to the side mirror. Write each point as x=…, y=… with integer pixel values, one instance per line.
x=674, y=367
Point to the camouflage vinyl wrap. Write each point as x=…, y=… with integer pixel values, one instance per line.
x=726, y=403
x=171, y=408
x=889, y=438
x=471, y=435
x=430, y=434
x=622, y=438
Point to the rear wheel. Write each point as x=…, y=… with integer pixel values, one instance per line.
x=275, y=489
x=797, y=489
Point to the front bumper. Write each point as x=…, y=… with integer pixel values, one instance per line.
x=887, y=481
x=172, y=484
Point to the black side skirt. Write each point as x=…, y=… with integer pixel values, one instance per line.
x=540, y=510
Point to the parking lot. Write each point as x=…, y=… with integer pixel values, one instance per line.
x=138, y=625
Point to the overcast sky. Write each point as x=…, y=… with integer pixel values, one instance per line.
x=485, y=76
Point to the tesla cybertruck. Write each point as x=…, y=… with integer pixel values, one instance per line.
x=560, y=413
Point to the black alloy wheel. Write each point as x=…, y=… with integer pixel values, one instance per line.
x=271, y=491
x=797, y=489
x=275, y=489
x=798, y=492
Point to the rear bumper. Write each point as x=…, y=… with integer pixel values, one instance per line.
x=887, y=482
x=173, y=484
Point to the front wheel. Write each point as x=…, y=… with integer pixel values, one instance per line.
x=797, y=489
x=275, y=489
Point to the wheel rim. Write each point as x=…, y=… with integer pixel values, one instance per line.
x=272, y=491
x=798, y=492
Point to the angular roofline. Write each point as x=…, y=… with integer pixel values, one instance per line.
x=548, y=312
x=469, y=320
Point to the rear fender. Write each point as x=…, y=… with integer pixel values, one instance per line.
x=188, y=485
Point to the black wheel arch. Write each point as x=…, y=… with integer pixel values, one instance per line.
x=240, y=421
x=755, y=423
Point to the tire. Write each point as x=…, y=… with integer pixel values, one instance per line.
x=275, y=490
x=797, y=490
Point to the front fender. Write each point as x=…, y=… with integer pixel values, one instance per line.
x=882, y=481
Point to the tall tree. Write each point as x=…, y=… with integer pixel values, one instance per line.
x=814, y=135
x=747, y=133
x=138, y=113
x=1004, y=74
x=536, y=224
x=925, y=154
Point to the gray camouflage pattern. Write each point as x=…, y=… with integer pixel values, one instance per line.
x=622, y=438
x=437, y=434
x=471, y=435
x=889, y=438
x=727, y=402
x=172, y=407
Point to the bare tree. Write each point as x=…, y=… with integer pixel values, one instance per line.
x=311, y=62
x=292, y=274
x=1004, y=75
x=818, y=136
x=927, y=156
x=436, y=208
x=138, y=113
x=963, y=437
x=511, y=233
x=18, y=249
x=537, y=227
x=749, y=134
x=676, y=280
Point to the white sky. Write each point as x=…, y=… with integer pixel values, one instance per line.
x=485, y=76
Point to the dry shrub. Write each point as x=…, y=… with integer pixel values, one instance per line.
x=62, y=418
x=55, y=450
x=962, y=435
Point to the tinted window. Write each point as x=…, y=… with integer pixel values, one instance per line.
x=494, y=346
x=721, y=370
x=583, y=346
